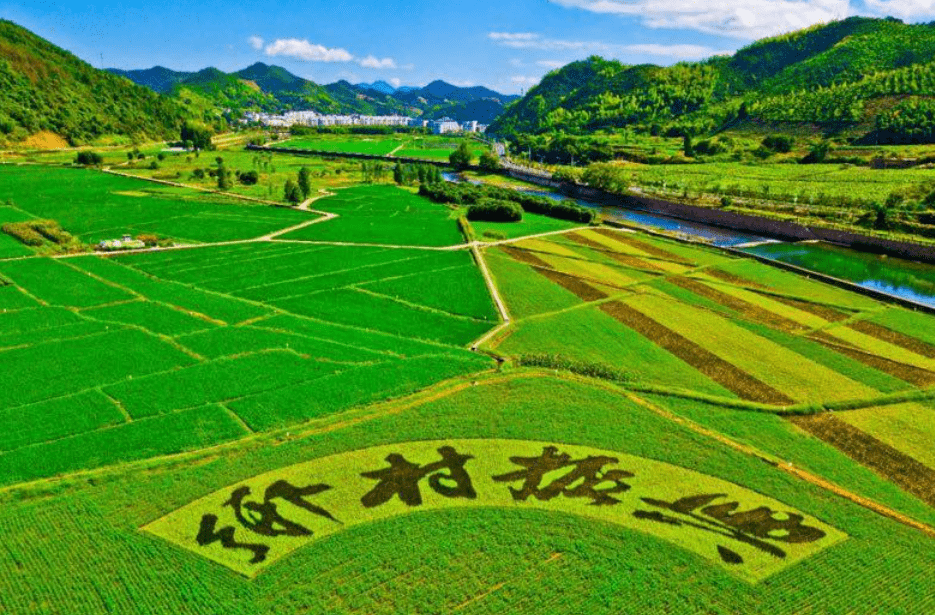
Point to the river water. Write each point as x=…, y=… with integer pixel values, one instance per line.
x=902, y=278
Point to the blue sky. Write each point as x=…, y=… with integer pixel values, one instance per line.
x=505, y=45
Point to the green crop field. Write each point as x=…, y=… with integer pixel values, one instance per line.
x=359, y=410
x=433, y=148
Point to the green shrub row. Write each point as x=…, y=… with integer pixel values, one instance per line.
x=591, y=370
x=468, y=194
x=494, y=210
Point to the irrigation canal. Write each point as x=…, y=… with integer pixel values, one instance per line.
x=905, y=279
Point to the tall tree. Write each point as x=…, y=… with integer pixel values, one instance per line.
x=305, y=182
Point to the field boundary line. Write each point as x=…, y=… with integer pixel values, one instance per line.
x=347, y=418
x=498, y=301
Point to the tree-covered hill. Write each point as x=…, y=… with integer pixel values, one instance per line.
x=850, y=73
x=46, y=89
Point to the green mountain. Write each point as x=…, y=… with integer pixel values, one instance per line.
x=44, y=89
x=846, y=75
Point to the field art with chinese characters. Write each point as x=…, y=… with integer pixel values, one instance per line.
x=283, y=414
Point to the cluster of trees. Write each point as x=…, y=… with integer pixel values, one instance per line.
x=408, y=174
x=197, y=136
x=298, y=190
x=495, y=210
x=468, y=194
x=461, y=158
x=911, y=121
x=89, y=159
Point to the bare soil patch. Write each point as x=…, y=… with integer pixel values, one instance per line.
x=891, y=464
x=45, y=140
x=709, y=364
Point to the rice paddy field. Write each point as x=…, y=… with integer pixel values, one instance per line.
x=359, y=410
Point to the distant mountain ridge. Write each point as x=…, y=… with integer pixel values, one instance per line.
x=842, y=75
x=273, y=88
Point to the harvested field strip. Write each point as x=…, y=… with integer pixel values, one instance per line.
x=560, y=271
x=800, y=319
x=524, y=256
x=643, y=246
x=829, y=357
x=748, y=310
x=588, y=268
x=909, y=428
x=825, y=313
x=894, y=337
x=732, y=278
x=545, y=246
x=797, y=286
x=908, y=323
x=909, y=373
x=901, y=469
x=770, y=363
x=576, y=285
x=873, y=345
x=626, y=260
x=722, y=372
x=525, y=292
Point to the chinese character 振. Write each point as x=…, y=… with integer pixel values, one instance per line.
x=586, y=478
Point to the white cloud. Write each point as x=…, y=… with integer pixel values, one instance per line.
x=528, y=40
x=374, y=62
x=551, y=64
x=746, y=19
x=304, y=50
x=512, y=36
x=525, y=81
x=539, y=42
x=910, y=10
x=256, y=42
x=678, y=52
x=395, y=82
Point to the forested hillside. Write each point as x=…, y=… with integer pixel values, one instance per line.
x=874, y=76
x=44, y=89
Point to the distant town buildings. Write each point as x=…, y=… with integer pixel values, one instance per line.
x=312, y=118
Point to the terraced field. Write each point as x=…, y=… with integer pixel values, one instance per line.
x=293, y=422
